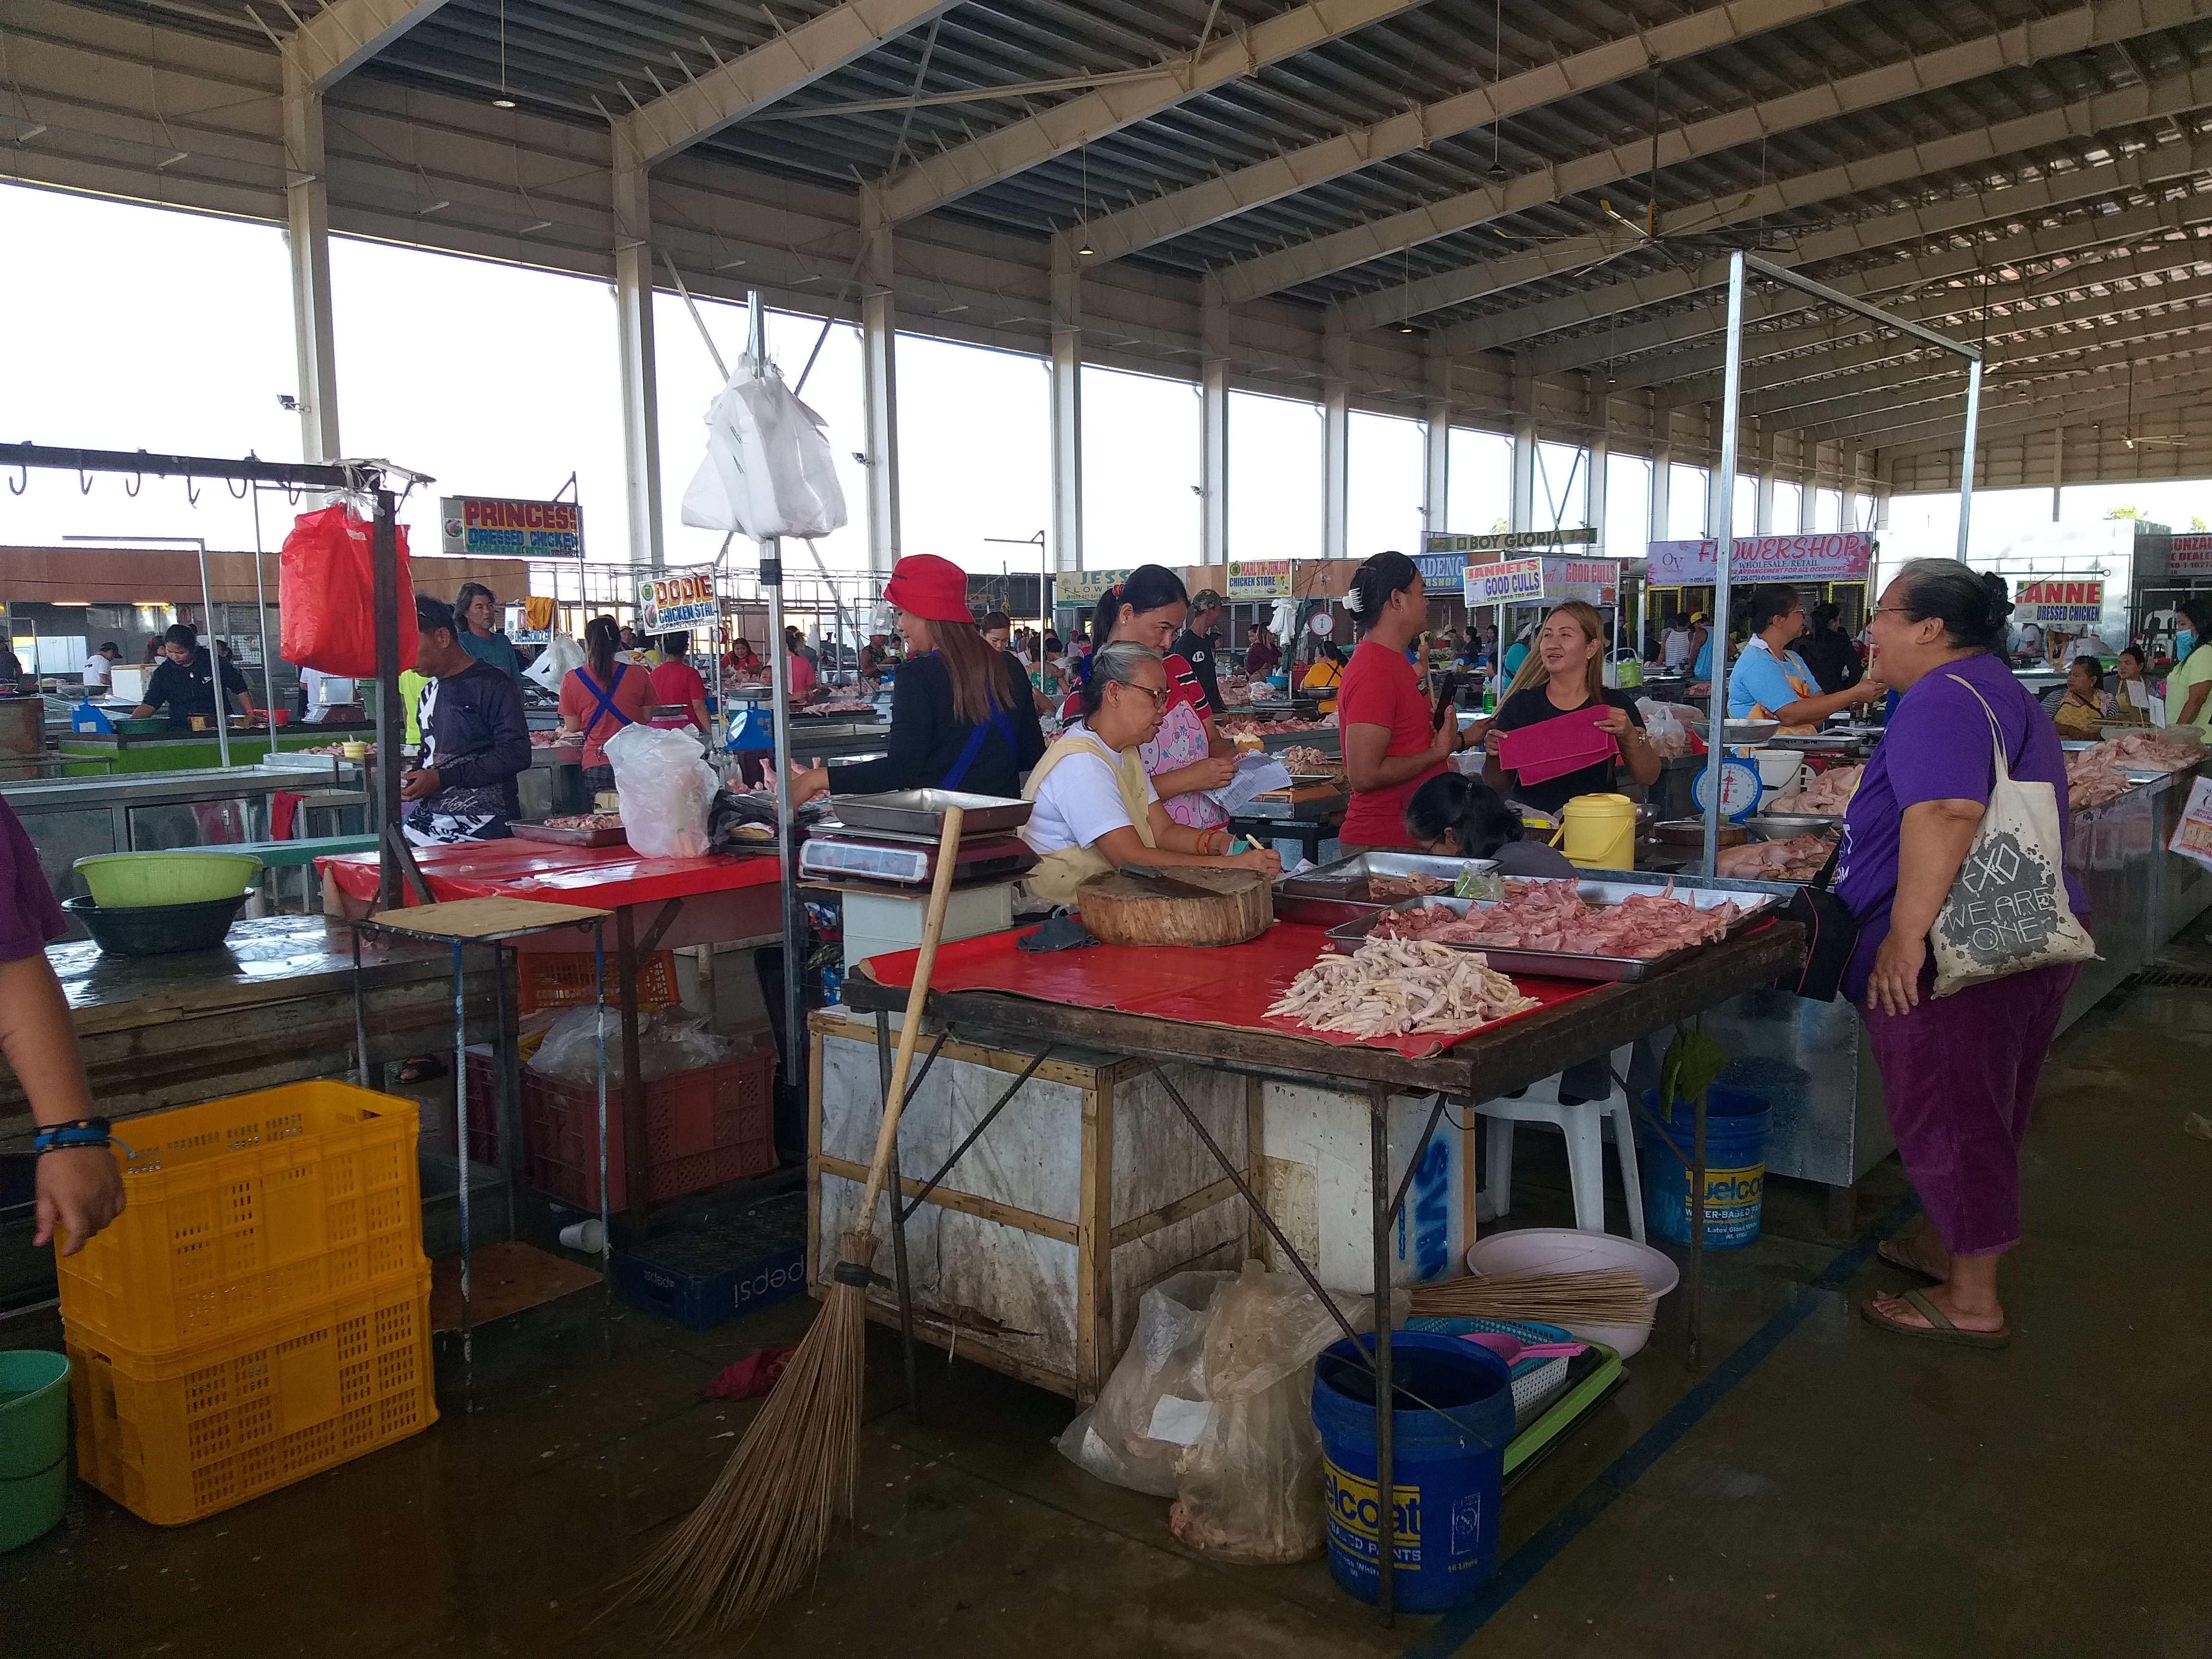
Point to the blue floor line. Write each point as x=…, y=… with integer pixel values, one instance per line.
x=1456, y=1627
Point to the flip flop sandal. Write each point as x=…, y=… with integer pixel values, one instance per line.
x=424, y=1068
x=1895, y=1252
x=1938, y=1328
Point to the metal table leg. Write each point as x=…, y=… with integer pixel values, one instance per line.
x=1386, y=1488
x=507, y=1085
x=461, y=1128
x=600, y=1002
x=636, y=1202
x=898, y=1226
x=1697, y=1227
x=360, y=1016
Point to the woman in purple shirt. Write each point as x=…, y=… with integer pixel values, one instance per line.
x=1958, y=1075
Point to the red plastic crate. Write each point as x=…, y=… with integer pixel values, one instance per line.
x=704, y=1126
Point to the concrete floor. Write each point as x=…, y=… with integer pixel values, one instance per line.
x=1821, y=1488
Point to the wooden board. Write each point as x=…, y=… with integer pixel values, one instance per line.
x=483, y=918
x=1124, y=909
x=567, y=835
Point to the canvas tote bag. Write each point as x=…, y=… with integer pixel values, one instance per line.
x=2006, y=911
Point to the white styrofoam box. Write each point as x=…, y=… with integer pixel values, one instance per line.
x=1317, y=1171
x=1021, y=1287
x=876, y=923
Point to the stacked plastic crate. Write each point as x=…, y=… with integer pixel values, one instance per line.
x=260, y=1311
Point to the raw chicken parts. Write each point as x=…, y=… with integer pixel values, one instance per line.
x=1396, y=986
x=1411, y=886
x=1798, y=858
x=2098, y=774
x=1550, y=915
x=1828, y=793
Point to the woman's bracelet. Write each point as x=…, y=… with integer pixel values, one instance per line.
x=1213, y=841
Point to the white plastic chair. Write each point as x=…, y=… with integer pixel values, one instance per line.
x=1583, y=1126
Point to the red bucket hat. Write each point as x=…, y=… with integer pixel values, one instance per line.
x=923, y=584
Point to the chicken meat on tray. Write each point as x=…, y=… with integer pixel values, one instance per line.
x=1551, y=916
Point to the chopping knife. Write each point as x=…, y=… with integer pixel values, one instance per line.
x=1166, y=886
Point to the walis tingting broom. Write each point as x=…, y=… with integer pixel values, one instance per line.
x=758, y=1533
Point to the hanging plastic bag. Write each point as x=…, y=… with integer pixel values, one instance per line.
x=2008, y=910
x=326, y=595
x=768, y=469
x=561, y=653
x=665, y=785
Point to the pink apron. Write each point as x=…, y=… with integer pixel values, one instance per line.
x=1180, y=742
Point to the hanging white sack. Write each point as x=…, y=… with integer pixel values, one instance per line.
x=561, y=653
x=2008, y=910
x=768, y=469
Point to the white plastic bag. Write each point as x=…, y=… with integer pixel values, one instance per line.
x=666, y=786
x=1113, y=1440
x=768, y=469
x=561, y=654
x=668, y=1041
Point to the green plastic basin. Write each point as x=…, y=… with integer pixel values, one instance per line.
x=191, y=876
x=34, y=1444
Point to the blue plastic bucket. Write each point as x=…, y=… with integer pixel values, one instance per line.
x=1736, y=1168
x=1447, y=1466
x=34, y=1444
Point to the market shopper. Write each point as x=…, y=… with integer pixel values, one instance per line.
x=1096, y=807
x=1262, y=653
x=1462, y=817
x=677, y=685
x=478, y=613
x=997, y=630
x=1186, y=755
x=184, y=681
x=1565, y=677
x=1958, y=1074
x=78, y=1186
x=1771, y=681
x=1828, y=650
x=1392, y=742
x=603, y=696
x=2186, y=688
x=475, y=741
x=99, y=667
x=1198, y=641
x=963, y=714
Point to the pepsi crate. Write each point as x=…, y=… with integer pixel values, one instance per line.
x=720, y=1264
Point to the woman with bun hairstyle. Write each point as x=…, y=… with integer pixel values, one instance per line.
x=1187, y=755
x=1393, y=743
x=1959, y=1074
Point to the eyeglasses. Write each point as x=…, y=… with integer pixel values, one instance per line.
x=1158, y=694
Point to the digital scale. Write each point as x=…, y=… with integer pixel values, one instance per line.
x=910, y=860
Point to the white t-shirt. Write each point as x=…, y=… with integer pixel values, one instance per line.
x=1676, y=647
x=97, y=670
x=1080, y=801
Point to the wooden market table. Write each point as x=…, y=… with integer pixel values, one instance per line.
x=1207, y=1006
x=657, y=904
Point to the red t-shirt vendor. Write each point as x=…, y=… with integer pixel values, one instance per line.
x=1392, y=745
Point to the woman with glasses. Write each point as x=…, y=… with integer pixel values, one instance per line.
x=1095, y=809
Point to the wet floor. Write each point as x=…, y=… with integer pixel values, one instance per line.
x=1816, y=1488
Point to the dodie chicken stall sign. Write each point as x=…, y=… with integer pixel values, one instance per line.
x=676, y=600
x=495, y=524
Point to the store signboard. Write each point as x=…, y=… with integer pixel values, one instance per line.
x=675, y=599
x=510, y=529
x=1838, y=556
x=1508, y=581
x=1442, y=573
x=2061, y=602
x=1594, y=581
x=2191, y=556
x=1258, y=579
x=1506, y=541
x=1085, y=586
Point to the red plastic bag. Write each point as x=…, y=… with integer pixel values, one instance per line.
x=325, y=596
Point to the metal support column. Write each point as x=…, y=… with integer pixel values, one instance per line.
x=1662, y=476
x=879, y=383
x=307, y=236
x=1724, y=480
x=1213, y=439
x=1600, y=456
x=391, y=721
x=633, y=212
x=2058, y=468
x=1067, y=407
x=1523, y=505
x=1436, y=449
x=1336, y=445
x=1968, y=456
x=1762, y=523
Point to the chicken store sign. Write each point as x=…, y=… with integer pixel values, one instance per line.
x=1838, y=556
x=528, y=530
x=675, y=599
x=2063, y=602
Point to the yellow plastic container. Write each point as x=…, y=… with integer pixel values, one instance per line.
x=177, y=1436
x=1600, y=832
x=243, y=1209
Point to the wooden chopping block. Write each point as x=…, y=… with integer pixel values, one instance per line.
x=1126, y=910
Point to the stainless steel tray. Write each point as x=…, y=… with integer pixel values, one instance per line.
x=1764, y=827
x=921, y=812
x=1702, y=893
x=1338, y=892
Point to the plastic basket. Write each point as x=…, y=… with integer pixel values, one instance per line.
x=568, y=979
x=176, y=1437
x=719, y=1267
x=239, y=1209
x=703, y=1127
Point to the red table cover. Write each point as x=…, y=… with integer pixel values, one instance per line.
x=601, y=878
x=1230, y=985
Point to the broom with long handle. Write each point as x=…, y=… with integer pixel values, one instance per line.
x=756, y=1536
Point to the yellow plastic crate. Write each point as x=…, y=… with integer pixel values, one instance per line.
x=178, y=1437
x=243, y=1209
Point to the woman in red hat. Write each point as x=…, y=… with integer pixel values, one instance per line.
x=963, y=715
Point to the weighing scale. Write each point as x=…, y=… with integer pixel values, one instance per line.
x=836, y=854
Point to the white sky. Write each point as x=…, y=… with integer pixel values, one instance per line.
x=136, y=328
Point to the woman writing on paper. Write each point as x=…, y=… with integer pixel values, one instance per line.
x=1562, y=679
x=1096, y=807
